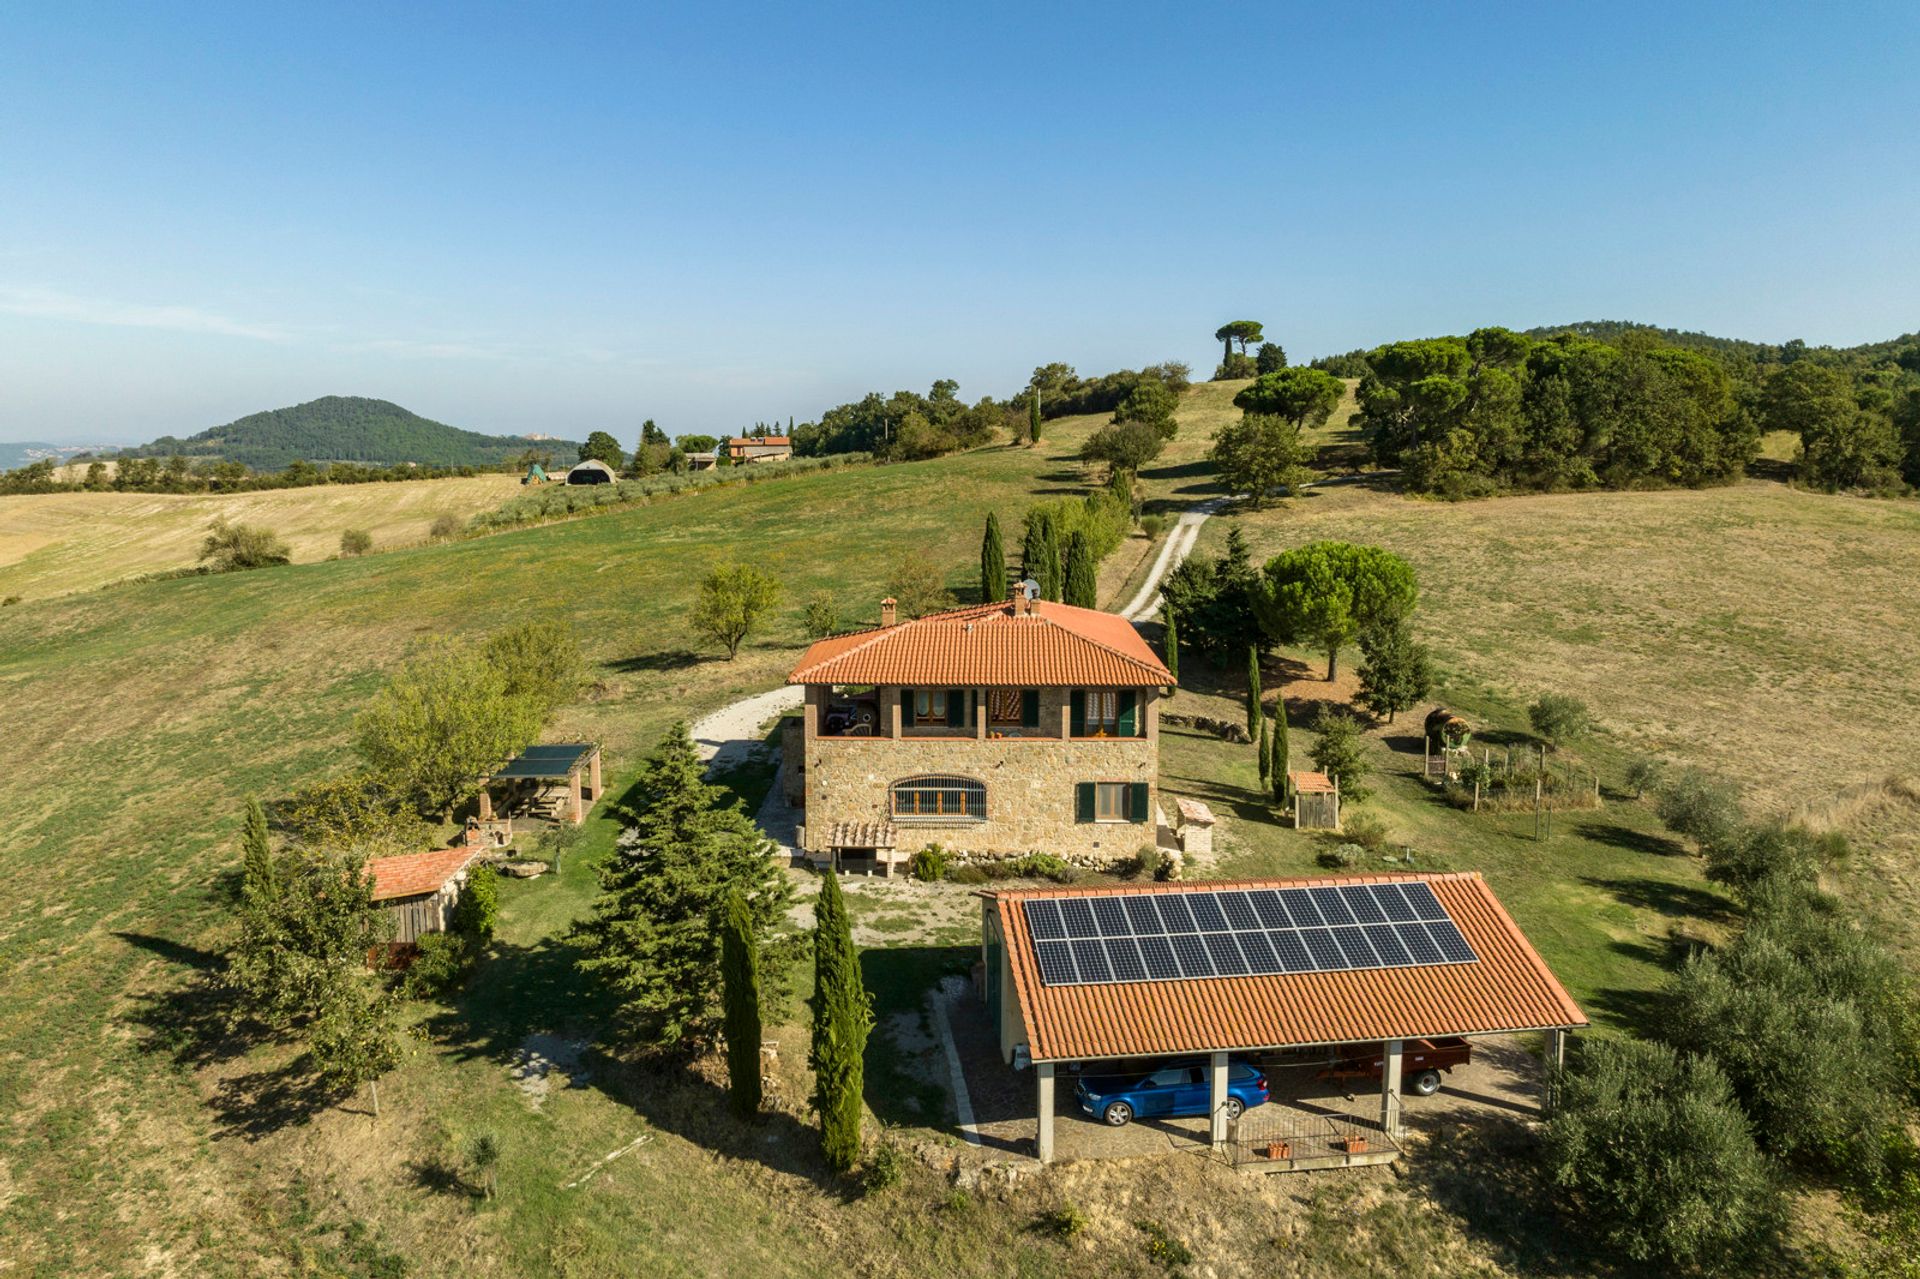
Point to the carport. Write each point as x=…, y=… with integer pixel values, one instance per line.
x=1208, y=971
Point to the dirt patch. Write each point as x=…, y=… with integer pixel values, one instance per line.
x=543, y=1060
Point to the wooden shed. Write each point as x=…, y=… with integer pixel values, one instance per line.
x=1316, y=801
x=418, y=890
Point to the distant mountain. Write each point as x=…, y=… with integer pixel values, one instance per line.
x=14, y=456
x=348, y=428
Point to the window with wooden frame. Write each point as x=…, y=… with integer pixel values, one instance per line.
x=1104, y=712
x=1111, y=801
x=953, y=797
x=930, y=706
x=1013, y=708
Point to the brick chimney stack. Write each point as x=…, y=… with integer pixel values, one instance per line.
x=1018, y=598
x=887, y=606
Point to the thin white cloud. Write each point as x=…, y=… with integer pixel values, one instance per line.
x=50, y=304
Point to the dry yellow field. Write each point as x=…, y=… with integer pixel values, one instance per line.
x=56, y=543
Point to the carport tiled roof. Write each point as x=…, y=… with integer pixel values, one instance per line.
x=412, y=874
x=1055, y=645
x=1509, y=988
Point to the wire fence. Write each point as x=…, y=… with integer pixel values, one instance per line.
x=1276, y=1137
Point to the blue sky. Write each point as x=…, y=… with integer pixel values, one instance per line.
x=589, y=215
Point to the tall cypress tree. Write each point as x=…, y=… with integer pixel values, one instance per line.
x=1082, y=588
x=1042, y=553
x=1282, y=784
x=740, y=982
x=1253, y=690
x=842, y=1016
x=1265, y=749
x=259, y=878
x=1172, y=644
x=1033, y=417
x=993, y=563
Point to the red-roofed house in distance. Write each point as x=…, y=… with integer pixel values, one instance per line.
x=758, y=448
x=993, y=730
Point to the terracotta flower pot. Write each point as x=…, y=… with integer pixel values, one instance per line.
x=1279, y=1150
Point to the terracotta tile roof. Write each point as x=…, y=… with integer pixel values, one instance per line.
x=862, y=835
x=747, y=441
x=412, y=874
x=1510, y=988
x=1311, y=782
x=1056, y=645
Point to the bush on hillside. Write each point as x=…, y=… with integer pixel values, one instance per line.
x=821, y=616
x=1558, y=718
x=1744, y=857
x=929, y=864
x=356, y=541
x=230, y=548
x=1339, y=751
x=444, y=527
x=1698, y=805
x=1656, y=1158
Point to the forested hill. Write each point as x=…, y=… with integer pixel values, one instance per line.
x=348, y=428
x=1757, y=352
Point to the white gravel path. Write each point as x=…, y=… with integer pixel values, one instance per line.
x=1173, y=551
x=731, y=735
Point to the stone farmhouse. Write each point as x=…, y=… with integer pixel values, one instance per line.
x=994, y=730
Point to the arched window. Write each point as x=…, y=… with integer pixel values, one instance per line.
x=953, y=797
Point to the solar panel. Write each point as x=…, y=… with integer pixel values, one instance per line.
x=1365, y=906
x=1078, y=914
x=1172, y=936
x=1056, y=963
x=1123, y=953
x=1043, y=920
x=1239, y=912
x=1112, y=917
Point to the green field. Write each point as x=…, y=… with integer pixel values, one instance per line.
x=133, y=1141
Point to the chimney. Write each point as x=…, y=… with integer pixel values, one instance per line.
x=886, y=611
x=1017, y=597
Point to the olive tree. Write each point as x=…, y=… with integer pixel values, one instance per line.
x=733, y=598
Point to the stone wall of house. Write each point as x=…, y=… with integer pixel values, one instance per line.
x=1030, y=792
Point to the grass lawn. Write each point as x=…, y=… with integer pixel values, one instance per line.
x=132, y=1140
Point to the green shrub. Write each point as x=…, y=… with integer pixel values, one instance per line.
x=230, y=548
x=1365, y=830
x=968, y=873
x=478, y=908
x=1656, y=1157
x=930, y=864
x=1039, y=866
x=884, y=1169
x=1698, y=805
x=1744, y=857
x=1153, y=525
x=1645, y=774
x=1558, y=718
x=440, y=964
x=1163, y=1247
x=1338, y=751
x=444, y=527
x=1064, y=1222
x=821, y=617
x=356, y=541
x=1148, y=863
x=1341, y=856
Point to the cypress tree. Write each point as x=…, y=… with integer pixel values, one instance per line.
x=1033, y=417
x=1266, y=755
x=1253, y=691
x=842, y=1016
x=1172, y=644
x=259, y=879
x=1282, y=785
x=1043, y=553
x=993, y=563
x=740, y=978
x=1082, y=589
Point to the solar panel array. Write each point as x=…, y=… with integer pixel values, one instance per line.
x=1082, y=941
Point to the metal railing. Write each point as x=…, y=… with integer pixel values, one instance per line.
x=1277, y=1137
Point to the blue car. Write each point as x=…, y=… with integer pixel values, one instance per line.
x=1170, y=1091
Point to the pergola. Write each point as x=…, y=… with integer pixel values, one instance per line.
x=575, y=763
x=1139, y=972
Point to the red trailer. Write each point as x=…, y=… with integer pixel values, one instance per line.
x=1422, y=1062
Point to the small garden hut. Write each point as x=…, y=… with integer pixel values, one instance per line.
x=1316, y=801
x=418, y=890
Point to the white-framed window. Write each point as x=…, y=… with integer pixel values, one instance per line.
x=1112, y=802
x=1103, y=712
x=956, y=797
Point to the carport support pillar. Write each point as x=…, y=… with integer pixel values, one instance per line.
x=1390, y=1089
x=1554, y=1056
x=1217, y=1099
x=1043, y=1145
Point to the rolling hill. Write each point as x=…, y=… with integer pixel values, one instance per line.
x=347, y=428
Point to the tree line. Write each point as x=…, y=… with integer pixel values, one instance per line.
x=179, y=474
x=1624, y=406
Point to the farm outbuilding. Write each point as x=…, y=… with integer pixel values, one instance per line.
x=1316, y=801
x=591, y=471
x=556, y=782
x=1080, y=978
x=418, y=890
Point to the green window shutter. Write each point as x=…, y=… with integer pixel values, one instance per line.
x=956, y=708
x=1137, y=803
x=1127, y=699
x=1077, y=708
x=1083, y=802
x=1029, y=708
